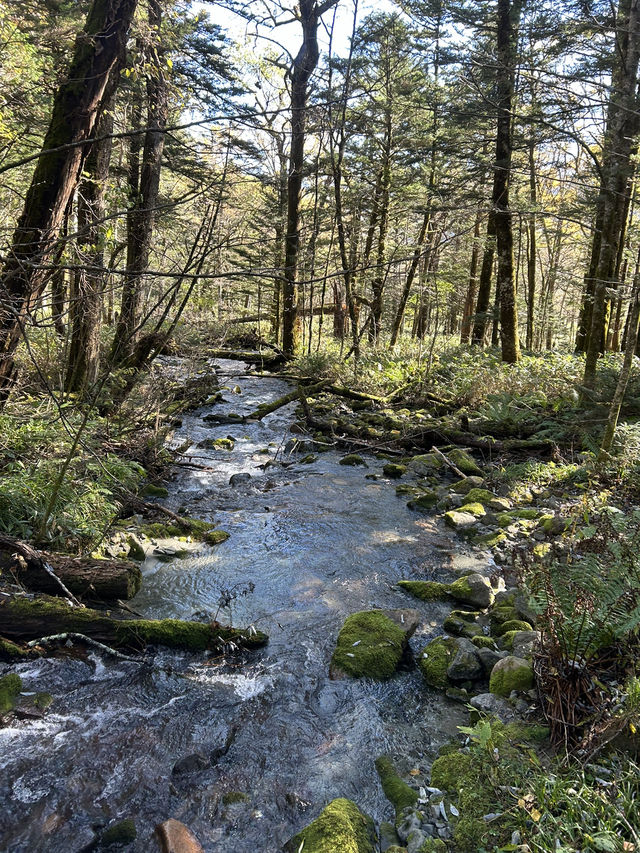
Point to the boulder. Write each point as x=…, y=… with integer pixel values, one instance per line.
x=435, y=659
x=481, y=496
x=340, y=827
x=353, y=459
x=466, y=665
x=511, y=673
x=464, y=462
x=499, y=504
x=459, y=520
x=489, y=658
x=465, y=485
x=236, y=479
x=372, y=643
x=524, y=642
x=394, y=471
x=425, y=464
x=174, y=837
x=473, y=589
x=487, y=703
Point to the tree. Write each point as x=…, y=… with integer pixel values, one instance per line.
x=77, y=107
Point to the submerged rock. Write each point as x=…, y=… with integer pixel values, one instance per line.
x=353, y=459
x=394, y=471
x=236, y=479
x=174, y=837
x=340, y=827
x=371, y=643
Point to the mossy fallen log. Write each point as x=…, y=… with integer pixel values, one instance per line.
x=106, y=580
x=29, y=619
x=267, y=408
x=250, y=356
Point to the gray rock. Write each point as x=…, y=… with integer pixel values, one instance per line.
x=415, y=841
x=524, y=643
x=487, y=703
x=460, y=520
x=236, y=479
x=489, y=658
x=473, y=589
x=388, y=836
x=466, y=665
x=410, y=822
x=190, y=764
x=500, y=504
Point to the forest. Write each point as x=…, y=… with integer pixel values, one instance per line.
x=318, y=319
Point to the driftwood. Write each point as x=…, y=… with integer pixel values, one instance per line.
x=107, y=580
x=24, y=619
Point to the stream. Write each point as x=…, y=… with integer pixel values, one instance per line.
x=172, y=735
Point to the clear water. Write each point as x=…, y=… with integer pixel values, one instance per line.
x=318, y=542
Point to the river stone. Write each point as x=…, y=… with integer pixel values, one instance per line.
x=524, y=642
x=473, y=589
x=174, y=837
x=466, y=484
x=372, y=643
x=410, y=821
x=489, y=658
x=464, y=462
x=341, y=826
x=425, y=464
x=190, y=764
x=236, y=479
x=466, y=665
x=459, y=520
x=388, y=836
x=511, y=673
x=500, y=504
x=487, y=703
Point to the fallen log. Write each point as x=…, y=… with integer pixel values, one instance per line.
x=250, y=356
x=106, y=580
x=23, y=619
x=267, y=408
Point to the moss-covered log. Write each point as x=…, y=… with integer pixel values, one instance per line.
x=30, y=619
x=106, y=580
x=250, y=356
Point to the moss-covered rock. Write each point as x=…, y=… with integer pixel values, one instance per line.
x=464, y=462
x=462, y=623
x=466, y=664
x=340, y=827
x=498, y=504
x=504, y=519
x=512, y=625
x=10, y=687
x=152, y=491
x=473, y=589
x=394, y=471
x=423, y=500
x=121, y=833
x=136, y=551
x=371, y=643
x=215, y=537
x=425, y=463
x=474, y=509
x=481, y=496
x=482, y=642
x=435, y=659
x=11, y=651
x=489, y=540
x=453, y=771
x=499, y=615
x=396, y=790
x=526, y=513
x=433, y=845
x=462, y=487
x=426, y=590
x=509, y=674
x=352, y=459
x=459, y=520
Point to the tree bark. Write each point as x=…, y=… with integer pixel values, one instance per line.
x=76, y=109
x=142, y=217
x=616, y=172
x=508, y=23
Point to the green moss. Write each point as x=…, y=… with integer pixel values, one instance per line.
x=396, y=790
x=151, y=491
x=490, y=540
x=132, y=633
x=504, y=519
x=340, y=827
x=461, y=624
x=481, y=496
x=215, y=537
x=483, y=642
x=10, y=687
x=466, y=463
x=232, y=797
x=405, y=489
x=435, y=660
x=506, y=640
x=453, y=772
x=43, y=700
x=394, y=471
x=512, y=625
x=528, y=514
x=501, y=614
x=369, y=645
x=469, y=833
x=352, y=459
x=510, y=674
x=475, y=509
x=425, y=500
x=136, y=551
x=426, y=590
x=123, y=832
x=433, y=845
x=308, y=459
x=10, y=651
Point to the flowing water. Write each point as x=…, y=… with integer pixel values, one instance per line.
x=170, y=736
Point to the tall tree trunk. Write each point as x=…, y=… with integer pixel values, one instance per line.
x=86, y=305
x=484, y=286
x=467, y=315
x=76, y=109
x=413, y=269
x=303, y=67
x=142, y=216
x=508, y=23
x=531, y=247
x=616, y=171
x=378, y=281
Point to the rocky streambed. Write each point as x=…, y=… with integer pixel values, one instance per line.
x=248, y=750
